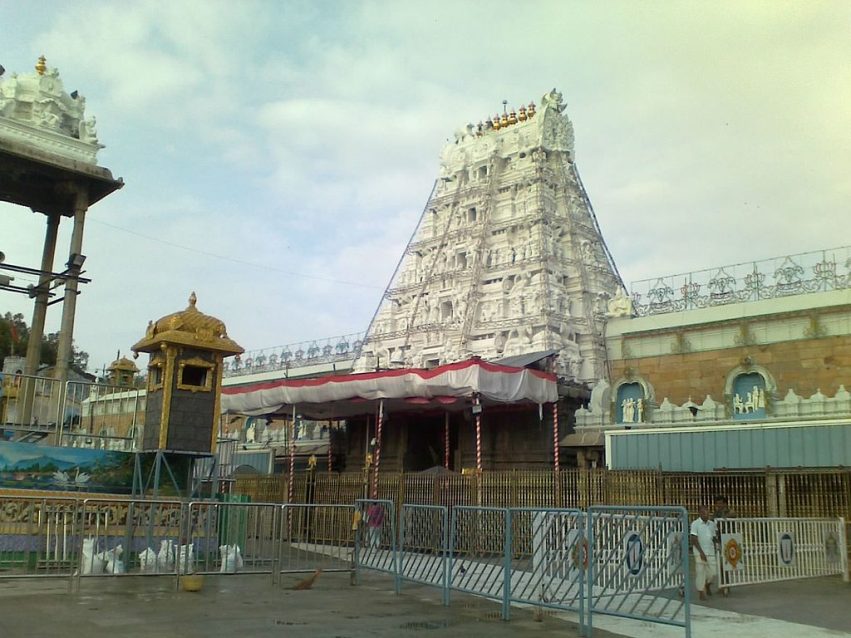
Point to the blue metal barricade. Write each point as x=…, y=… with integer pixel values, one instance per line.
x=424, y=546
x=230, y=537
x=638, y=564
x=316, y=537
x=375, y=537
x=548, y=558
x=479, y=544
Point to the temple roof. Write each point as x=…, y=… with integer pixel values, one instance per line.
x=191, y=328
x=123, y=363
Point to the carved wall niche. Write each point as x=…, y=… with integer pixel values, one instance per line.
x=632, y=399
x=748, y=391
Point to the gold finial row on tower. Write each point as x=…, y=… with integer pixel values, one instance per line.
x=41, y=65
x=507, y=119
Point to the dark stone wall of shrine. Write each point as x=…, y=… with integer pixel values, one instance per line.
x=513, y=437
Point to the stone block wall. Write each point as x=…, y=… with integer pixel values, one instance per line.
x=805, y=366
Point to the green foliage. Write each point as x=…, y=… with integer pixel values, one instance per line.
x=49, y=342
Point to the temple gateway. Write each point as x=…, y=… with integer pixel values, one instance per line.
x=507, y=258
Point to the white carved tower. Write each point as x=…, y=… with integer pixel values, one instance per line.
x=507, y=258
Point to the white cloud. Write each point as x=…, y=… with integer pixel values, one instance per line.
x=303, y=137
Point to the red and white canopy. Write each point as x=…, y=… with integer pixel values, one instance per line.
x=447, y=387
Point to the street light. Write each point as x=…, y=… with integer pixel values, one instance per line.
x=76, y=261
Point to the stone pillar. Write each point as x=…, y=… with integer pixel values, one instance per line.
x=40, y=310
x=69, y=305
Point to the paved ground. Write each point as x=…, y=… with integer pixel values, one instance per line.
x=248, y=606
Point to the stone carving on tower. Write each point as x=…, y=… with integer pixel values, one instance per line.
x=35, y=109
x=507, y=258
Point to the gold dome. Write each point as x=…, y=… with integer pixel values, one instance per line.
x=191, y=328
x=122, y=364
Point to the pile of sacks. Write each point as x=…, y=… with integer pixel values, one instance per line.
x=106, y=562
x=150, y=561
x=164, y=561
x=231, y=559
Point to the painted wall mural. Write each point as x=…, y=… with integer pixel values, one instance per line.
x=44, y=467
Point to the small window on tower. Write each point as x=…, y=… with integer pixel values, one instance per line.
x=194, y=375
x=471, y=215
x=155, y=377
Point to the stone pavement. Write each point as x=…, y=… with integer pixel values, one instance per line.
x=247, y=606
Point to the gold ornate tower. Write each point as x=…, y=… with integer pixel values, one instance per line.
x=122, y=372
x=184, y=380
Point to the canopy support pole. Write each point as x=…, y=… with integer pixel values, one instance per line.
x=477, y=408
x=555, y=437
x=330, y=454
x=377, y=448
x=292, y=458
x=446, y=440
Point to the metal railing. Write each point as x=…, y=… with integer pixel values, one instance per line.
x=32, y=404
x=638, y=564
x=763, y=550
x=314, y=537
x=758, y=493
x=424, y=546
x=114, y=414
x=375, y=539
x=37, y=409
x=38, y=537
x=782, y=276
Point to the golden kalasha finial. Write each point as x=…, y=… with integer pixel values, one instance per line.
x=496, y=125
x=192, y=299
x=531, y=111
x=512, y=117
x=522, y=116
x=503, y=121
x=41, y=65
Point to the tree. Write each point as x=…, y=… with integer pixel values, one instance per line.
x=15, y=337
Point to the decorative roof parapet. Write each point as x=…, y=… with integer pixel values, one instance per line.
x=783, y=276
x=35, y=110
x=296, y=355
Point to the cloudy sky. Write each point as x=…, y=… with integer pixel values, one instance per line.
x=277, y=154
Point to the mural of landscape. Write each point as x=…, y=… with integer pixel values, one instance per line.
x=44, y=467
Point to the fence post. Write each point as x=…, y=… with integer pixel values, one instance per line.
x=557, y=488
x=771, y=509
x=843, y=536
x=400, y=495
x=513, y=488
x=506, y=575
x=781, y=494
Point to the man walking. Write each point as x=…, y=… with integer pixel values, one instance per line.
x=702, y=540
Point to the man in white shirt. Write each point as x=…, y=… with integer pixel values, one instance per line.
x=702, y=540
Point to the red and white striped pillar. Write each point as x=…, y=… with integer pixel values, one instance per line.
x=555, y=437
x=477, y=408
x=291, y=485
x=330, y=455
x=377, y=448
x=446, y=440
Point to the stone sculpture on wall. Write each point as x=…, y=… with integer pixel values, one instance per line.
x=36, y=107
